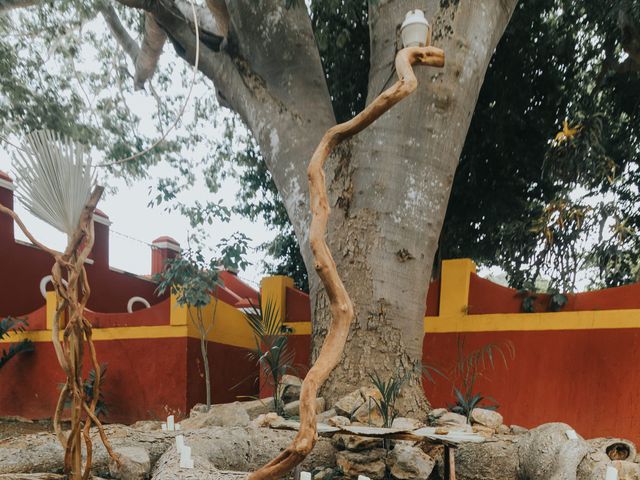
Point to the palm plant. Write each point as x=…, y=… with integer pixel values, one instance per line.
x=272, y=352
x=472, y=365
x=389, y=392
x=8, y=326
x=56, y=183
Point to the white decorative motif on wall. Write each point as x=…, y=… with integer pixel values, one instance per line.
x=45, y=281
x=134, y=300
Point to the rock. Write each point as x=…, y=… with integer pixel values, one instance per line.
x=258, y=407
x=324, y=416
x=324, y=474
x=600, y=455
x=482, y=430
x=409, y=463
x=369, y=463
x=267, y=420
x=437, y=412
x=368, y=414
x=503, y=430
x=147, y=425
x=407, y=423
x=451, y=418
x=626, y=471
x=546, y=453
x=355, y=443
x=338, y=421
x=134, y=463
x=290, y=388
x=198, y=409
x=221, y=415
x=518, y=430
x=488, y=418
x=236, y=449
x=494, y=459
x=348, y=404
x=292, y=409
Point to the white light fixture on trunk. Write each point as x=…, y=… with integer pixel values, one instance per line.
x=415, y=29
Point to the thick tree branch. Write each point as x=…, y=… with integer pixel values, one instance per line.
x=152, y=44
x=120, y=33
x=221, y=14
x=341, y=305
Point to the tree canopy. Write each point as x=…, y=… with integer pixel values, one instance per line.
x=534, y=206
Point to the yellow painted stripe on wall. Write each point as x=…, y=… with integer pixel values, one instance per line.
x=230, y=327
x=584, y=320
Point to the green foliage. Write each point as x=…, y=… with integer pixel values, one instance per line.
x=466, y=402
x=190, y=277
x=389, y=392
x=472, y=365
x=534, y=207
x=272, y=352
x=89, y=391
x=10, y=326
x=556, y=300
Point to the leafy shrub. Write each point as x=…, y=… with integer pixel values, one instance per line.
x=8, y=326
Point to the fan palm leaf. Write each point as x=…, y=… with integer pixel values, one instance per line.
x=54, y=179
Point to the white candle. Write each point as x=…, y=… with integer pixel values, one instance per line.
x=612, y=474
x=164, y=427
x=305, y=476
x=179, y=443
x=185, y=457
x=170, y=424
x=177, y=426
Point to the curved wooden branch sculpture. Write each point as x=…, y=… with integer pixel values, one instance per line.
x=73, y=295
x=341, y=306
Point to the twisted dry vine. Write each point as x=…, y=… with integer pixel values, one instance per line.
x=341, y=305
x=73, y=294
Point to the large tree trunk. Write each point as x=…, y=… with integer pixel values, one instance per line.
x=391, y=188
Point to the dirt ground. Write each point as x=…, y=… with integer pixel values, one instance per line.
x=10, y=427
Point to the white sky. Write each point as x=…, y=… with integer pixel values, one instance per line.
x=128, y=210
x=130, y=215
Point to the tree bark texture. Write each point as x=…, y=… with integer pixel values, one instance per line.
x=390, y=184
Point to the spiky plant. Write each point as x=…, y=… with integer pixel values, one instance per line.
x=272, y=352
x=8, y=326
x=56, y=182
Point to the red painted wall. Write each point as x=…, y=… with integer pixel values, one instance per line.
x=586, y=378
x=23, y=266
x=146, y=379
x=488, y=297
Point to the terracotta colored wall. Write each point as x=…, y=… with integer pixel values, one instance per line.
x=586, y=378
x=488, y=297
x=145, y=380
x=23, y=267
x=227, y=384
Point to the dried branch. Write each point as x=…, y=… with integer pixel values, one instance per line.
x=342, y=310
